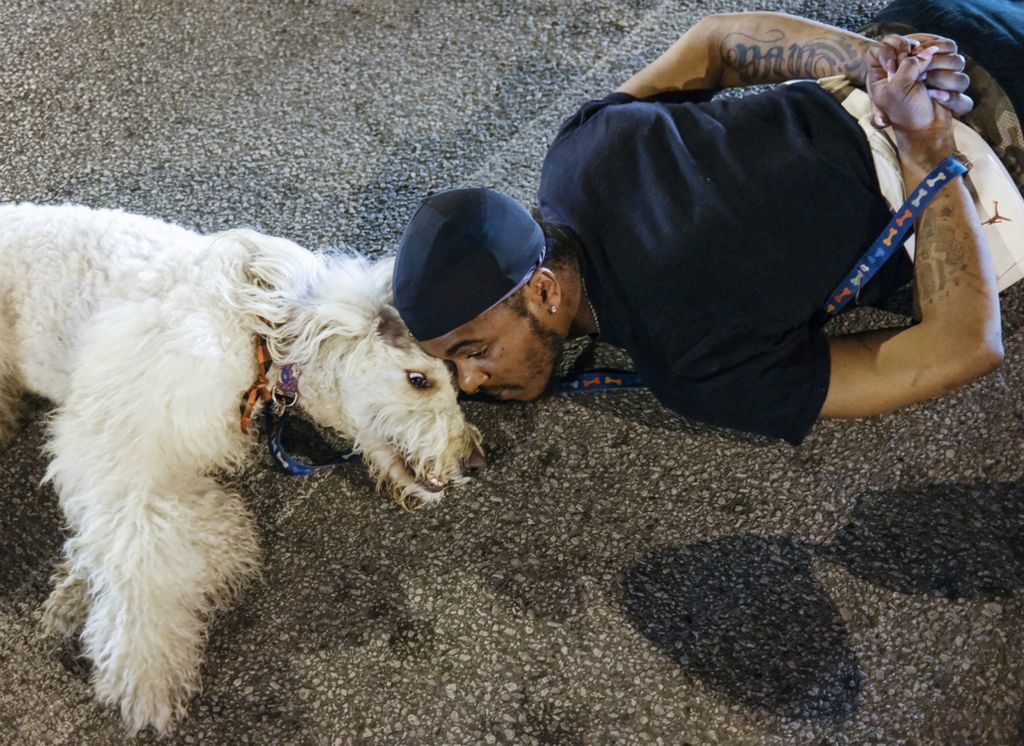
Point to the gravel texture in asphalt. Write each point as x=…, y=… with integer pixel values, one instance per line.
x=618, y=575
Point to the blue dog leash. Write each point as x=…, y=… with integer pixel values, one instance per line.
x=275, y=417
x=600, y=379
x=277, y=400
x=275, y=425
x=894, y=234
x=890, y=239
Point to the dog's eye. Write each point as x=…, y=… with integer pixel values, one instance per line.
x=418, y=380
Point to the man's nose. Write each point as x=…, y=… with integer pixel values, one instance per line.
x=470, y=377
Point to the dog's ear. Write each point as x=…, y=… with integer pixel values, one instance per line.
x=392, y=329
x=343, y=306
x=274, y=264
x=277, y=274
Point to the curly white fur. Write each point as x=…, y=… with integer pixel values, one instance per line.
x=142, y=333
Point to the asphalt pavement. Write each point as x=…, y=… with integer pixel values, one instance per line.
x=618, y=575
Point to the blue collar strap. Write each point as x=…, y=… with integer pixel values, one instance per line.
x=892, y=237
x=275, y=425
x=281, y=397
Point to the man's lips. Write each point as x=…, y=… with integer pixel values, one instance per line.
x=501, y=393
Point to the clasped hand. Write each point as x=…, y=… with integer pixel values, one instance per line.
x=915, y=84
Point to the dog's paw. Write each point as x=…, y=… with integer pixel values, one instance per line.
x=65, y=610
x=151, y=683
x=150, y=702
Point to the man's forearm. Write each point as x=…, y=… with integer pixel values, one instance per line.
x=954, y=277
x=774, y=47
x=958, y=339
x=736, y=49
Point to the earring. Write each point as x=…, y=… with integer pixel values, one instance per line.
x=554, y=309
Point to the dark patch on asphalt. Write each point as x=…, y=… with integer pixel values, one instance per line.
x=541, y=719
x=271, y=699
x=745, y=615
x=550, y=724
x=73, y=659
x=951, y=540
x=351, y=607
x=30, y=521
x=536, y=579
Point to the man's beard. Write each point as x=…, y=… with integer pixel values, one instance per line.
x=545, y=359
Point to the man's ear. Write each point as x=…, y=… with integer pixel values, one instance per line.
x=545, y=287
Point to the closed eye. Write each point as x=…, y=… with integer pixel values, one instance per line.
x=477, y=354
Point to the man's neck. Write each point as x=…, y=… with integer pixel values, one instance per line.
x=584, y=321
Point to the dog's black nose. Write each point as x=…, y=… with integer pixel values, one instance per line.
x=476, y=462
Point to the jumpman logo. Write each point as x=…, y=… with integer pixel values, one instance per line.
x=997, y=218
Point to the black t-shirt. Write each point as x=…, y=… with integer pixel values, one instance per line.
x=713, y=231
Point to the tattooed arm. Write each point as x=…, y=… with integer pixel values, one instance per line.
x=958, y=338
x=736, y=49
x=775, y=48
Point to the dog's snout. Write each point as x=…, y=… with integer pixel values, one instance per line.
x=476, y=462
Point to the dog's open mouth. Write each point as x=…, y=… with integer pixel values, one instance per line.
x=429, y=482
x=433, y=484
x=433, y=478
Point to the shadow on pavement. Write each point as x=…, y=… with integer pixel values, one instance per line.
x=30, y=521
x=951, y=540
x=745, y=615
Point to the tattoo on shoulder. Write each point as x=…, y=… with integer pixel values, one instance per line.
x=771, y=59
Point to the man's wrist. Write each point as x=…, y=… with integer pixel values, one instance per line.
x=857, y=71
x=924, y=151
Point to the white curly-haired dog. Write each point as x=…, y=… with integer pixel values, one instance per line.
x=143, y=333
